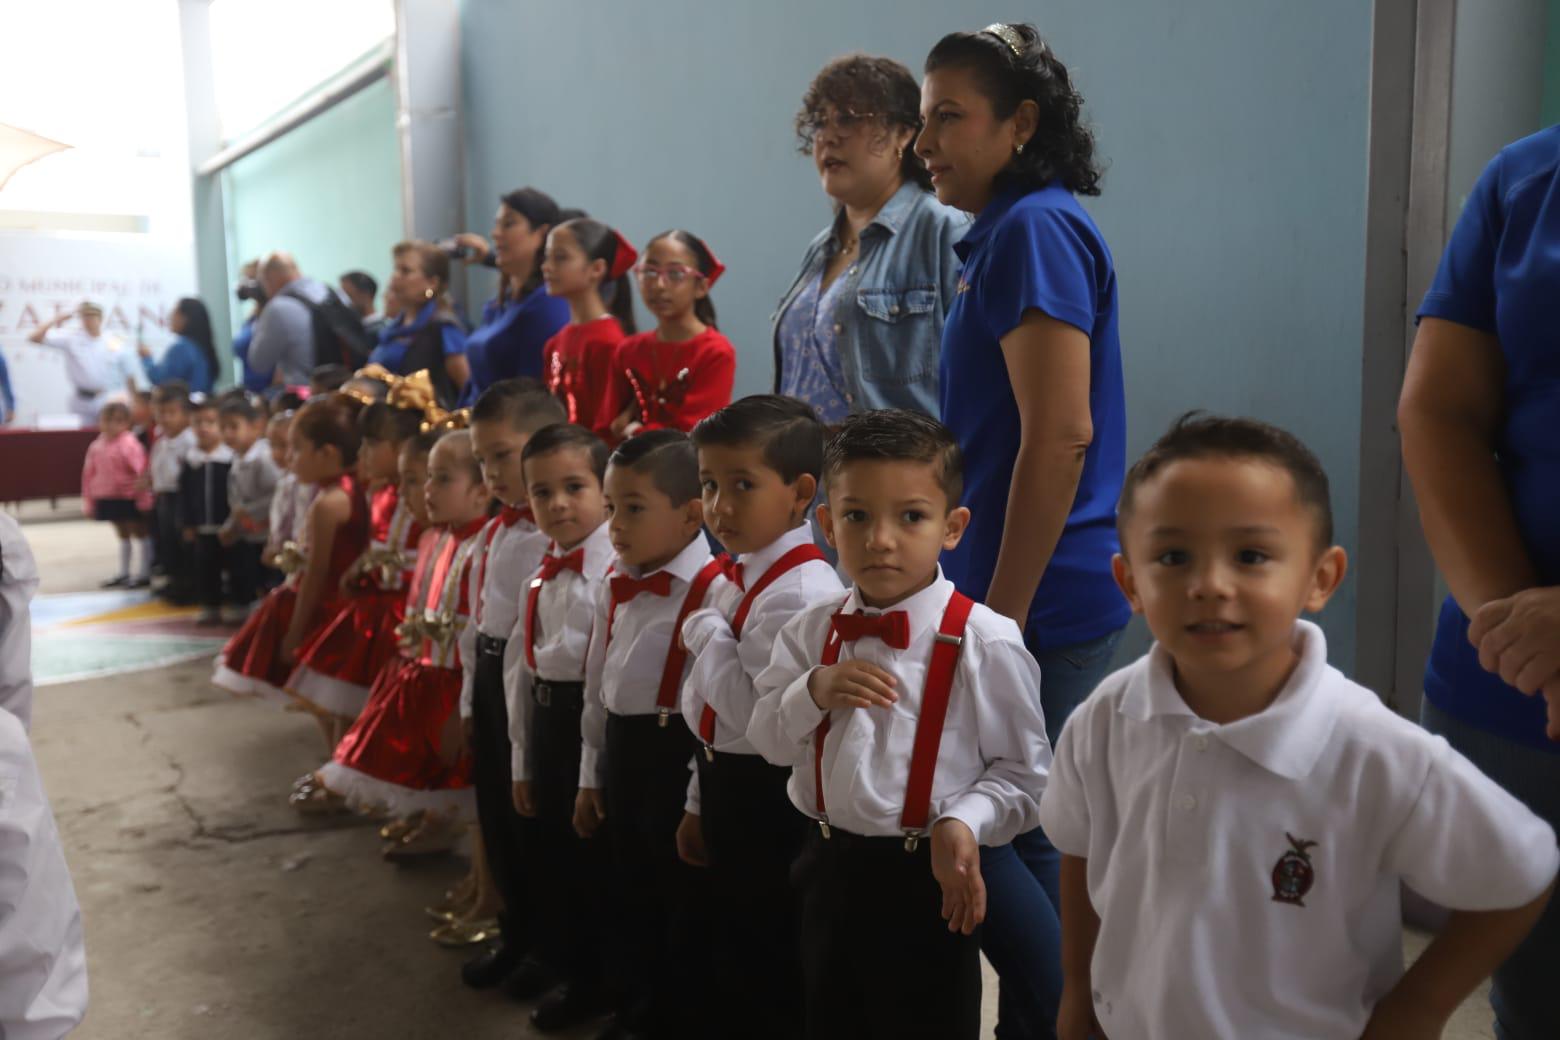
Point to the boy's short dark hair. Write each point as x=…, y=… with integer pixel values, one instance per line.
x=670, y=460
x=362, y=281
x=174, y=391
x=523, y=403
x=200, y=402
x=289, y=401
x=897, y=435
x=563, y=436
x=787, y=430
x=462, y=438
x=240, y=405
x=1198, y=435
x=325, y=378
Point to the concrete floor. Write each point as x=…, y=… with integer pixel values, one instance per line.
x=211, y=909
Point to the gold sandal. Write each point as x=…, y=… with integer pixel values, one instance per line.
x=456, y=934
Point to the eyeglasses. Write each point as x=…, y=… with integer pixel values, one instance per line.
x=841, y=123
x=671, y=274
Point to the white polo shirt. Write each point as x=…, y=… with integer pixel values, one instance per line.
x=1247, y=876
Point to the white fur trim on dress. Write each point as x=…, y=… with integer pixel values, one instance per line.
x=369, y=794
x=330, y=695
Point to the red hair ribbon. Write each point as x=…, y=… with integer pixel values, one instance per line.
x=623, y=259
x=716, y=267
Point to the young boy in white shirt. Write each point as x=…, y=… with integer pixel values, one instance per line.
x=637, y=748
x=171, y=405
x=504, y=419
x=564, y=465
x=251, y=486
x=1236, y=818
x=759, y=463
x=911, y=720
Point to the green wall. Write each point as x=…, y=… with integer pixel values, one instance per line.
x=1551, y=111
x=329, y=192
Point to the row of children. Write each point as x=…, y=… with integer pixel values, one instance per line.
x=727, y=798
x=198, y=504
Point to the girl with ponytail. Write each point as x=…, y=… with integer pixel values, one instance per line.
x=684, y=370
x=587, y=263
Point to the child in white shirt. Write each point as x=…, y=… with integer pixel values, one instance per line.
x=1236, y=818
x=911, y=720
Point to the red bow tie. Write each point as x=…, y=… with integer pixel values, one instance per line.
x=625, y=588
x=733, y=572
x=552, y=566
x=892, y=628
x=511, y=515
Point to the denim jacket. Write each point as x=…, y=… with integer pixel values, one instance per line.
x=890, y=316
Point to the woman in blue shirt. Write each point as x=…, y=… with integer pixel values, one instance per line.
x=191, y=357
x=426, y=335
x=861, y=326
x=1480, y=421
x=1032, y=389
x=522, y=317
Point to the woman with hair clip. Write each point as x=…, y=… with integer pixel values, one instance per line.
x=587, y=263
x=426, y=334
x=683, y=370
x=191, y=357
x=515, y=324
x=1032, y=389
x=861, y=326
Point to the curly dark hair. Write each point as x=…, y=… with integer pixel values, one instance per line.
x=1062, y=148
x=862, y=83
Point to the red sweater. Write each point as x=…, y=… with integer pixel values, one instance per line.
x=676, y=384
x=578, y=366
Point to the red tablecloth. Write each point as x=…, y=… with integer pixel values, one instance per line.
x=42, y=463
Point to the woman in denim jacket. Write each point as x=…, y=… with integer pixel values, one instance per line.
x=861, y=327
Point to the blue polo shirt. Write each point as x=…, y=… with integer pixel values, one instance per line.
x=508, y=342
x=1501, y=274
x=1037, y=250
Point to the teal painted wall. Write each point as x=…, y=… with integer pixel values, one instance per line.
x=329, y=192
x=1234, y=201
x=1551, y=111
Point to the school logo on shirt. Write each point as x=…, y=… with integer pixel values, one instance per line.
x=1293, y=874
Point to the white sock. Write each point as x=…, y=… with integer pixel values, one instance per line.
x=124, y=557
x=146, y=558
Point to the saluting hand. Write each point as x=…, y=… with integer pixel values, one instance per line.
x=852, y=684
x=956, y=866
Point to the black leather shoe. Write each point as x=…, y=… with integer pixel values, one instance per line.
x=569, y=1006
x=489, y=968
x=530, y=980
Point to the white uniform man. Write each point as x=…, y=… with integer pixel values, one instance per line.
x=96, y=365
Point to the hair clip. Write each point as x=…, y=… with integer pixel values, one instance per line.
x=1008, y=35
x=716, y=267
x=362, y=397
x=413, y=393
x=623, y=257
x=440, y=421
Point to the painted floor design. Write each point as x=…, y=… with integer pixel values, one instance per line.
x=96, y=634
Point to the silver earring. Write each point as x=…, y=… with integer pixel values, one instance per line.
x=1019, y=150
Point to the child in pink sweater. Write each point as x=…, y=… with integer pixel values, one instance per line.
x=110, y=491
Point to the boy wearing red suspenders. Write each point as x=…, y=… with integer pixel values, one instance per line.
x=637, y=750
x=910, y=718
x=759, y=463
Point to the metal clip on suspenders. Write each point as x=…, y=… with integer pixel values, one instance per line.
x=928, y=728
x=676, y=654
x=790, y=561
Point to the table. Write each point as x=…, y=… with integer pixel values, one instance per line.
x=42, y=463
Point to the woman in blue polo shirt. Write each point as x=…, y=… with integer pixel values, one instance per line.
x=192, y=356
x=1480, y=420
x=522, y=317
x=1032, y=387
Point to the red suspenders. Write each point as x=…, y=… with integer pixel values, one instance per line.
x=928, y=728
x=676, y=654
x=790, y=561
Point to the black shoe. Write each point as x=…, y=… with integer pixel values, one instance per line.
x=488, y=969
x=569, y=1006
x=616, y=1030
x=120, y=582
x=140, y=583
x=530, y=980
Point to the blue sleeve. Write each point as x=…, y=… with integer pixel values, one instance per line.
x=521, y=353
x=1040, y=260
x=453, y=338
x=182, y=360
x=7, y=397
x=1464, y=286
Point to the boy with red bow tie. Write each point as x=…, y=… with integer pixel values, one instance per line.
x=637, y=748
x=910, y=718
x=504, y=419
x=563, y=468
x=759, y=463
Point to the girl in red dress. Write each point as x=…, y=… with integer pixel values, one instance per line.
x=337, y=667
x=684, y=370
x=401, y=755
x=587, y=263
x=259, y=658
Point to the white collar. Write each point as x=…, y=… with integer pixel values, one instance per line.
x=925, y=608
x=760, y=560
x=598, y=551
x=221, y=453
x=258, y=445
x=685, y=566
x=1287, y=737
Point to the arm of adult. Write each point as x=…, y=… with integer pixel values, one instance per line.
x=7, y=396
x=1048, y=366
x=456, y=364
x=40, y=334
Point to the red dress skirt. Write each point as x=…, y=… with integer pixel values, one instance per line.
x=389, y=760
x=337, y=667
x=251, y=664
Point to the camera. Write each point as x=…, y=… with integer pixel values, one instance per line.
x=250, y=289
x=453, y=249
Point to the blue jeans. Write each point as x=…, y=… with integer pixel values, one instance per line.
x=1522, y=989
x=1022, y=935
